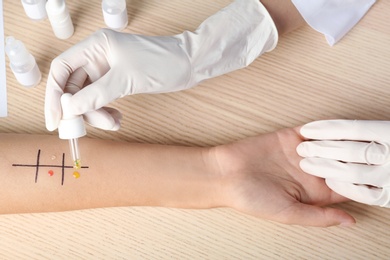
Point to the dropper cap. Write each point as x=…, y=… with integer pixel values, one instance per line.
x=16, y=51
x=22, y=63
x=115, y=14
x=35, y=9
x=71, y=126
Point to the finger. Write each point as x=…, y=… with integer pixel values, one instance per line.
x=98, y=93
x=104, y=118
x=63, y=66
x=76, y=81
x=361, y=193
x=89, y=54
x=308, y=215
x=53, y=94
x=364, y=130
x=59, y=74
x=347, y=151
x=90, y=51
x=56, y=82
x=346, y=172
x=52, y=109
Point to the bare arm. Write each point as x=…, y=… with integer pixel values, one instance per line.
x=285, y=15
x=118, y=174
x=258, y=176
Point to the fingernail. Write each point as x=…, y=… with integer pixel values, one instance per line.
x=347, y=224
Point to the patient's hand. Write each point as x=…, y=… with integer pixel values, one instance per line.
x=261, y=177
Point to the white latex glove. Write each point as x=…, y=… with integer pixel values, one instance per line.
x=122, y=64
x=333, y=18
x=352, y=155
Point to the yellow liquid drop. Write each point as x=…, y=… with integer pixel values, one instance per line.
x=76, y=175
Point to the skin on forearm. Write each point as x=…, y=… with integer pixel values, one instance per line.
x=118, y=174
x=285, y=15
x=259, y=176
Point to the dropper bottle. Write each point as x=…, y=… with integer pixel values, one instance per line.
x=60, y=19
x=115, y=14
x=35, y=9
x=71, y=128
x=22, y=63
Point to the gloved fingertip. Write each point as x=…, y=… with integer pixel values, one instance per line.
x=305, y=166
x=50, y=128
x=316, y=129
x=306, y=129
x=301, y=150
x=50, y=125
x=116, y=127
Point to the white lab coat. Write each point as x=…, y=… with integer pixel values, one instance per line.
x=333, y=18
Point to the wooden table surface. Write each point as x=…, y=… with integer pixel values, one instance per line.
x=302, y=80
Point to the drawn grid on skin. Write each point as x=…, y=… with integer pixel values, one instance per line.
x=37, y=166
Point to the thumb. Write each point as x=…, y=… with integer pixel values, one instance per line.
x=53, y=109
x=308, y=215
x=105, y=118
x=100, y=93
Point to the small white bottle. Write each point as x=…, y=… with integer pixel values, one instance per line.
x=22, y=63
x=60, y=19
x=115, y=14
x=35, y=9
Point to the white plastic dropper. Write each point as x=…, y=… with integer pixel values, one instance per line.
x=71, y=128
x=22, y=63
x=59, y=18
x=115, y=14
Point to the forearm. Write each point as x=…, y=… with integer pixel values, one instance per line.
x=118, y=174
x=285, y=15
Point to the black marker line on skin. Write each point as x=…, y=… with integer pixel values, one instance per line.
x=37, y=166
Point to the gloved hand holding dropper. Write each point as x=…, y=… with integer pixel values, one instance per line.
x=120, y=64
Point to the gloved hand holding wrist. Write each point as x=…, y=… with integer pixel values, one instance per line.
x=120, y=64
x=352, y=155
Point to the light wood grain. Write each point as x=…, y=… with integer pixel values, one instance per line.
x=302, y=80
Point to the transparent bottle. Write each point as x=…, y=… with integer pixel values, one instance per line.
x=115, y=14
x=22, y=63
x=60, y=19
x=35, y=9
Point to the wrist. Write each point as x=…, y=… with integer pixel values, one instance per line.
x=225, y=166
x=214, y=180
x=284, y=14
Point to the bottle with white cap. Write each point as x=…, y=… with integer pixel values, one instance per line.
x=35, y=9
x=115, y=14
x=60, y=19
x=22, y=63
